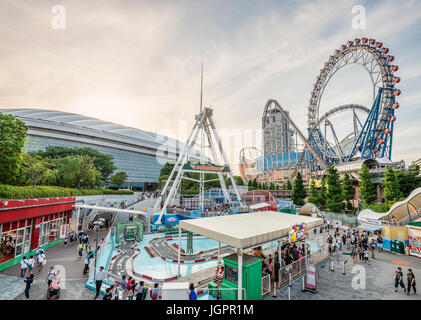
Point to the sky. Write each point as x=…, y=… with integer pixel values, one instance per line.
x=137, y=63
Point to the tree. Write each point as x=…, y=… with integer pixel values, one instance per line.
x=347, y=191
x=314, y=193
x=322, y=194
x=119, y=178
x=367, y=190
x=102, y=162
x=166, y=169
x=255, y=184
x=238, y=181
x=408, y=181
x=250, y=184
x=289, y=185
x=34, y=170
x=298, y=191
x=390, y=184
x=12, y=141
x=73, y=172
x=334, y=191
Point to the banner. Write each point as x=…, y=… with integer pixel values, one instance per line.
x=64, y=231
x=415, y=246
x=297, y=232
x=205, y=167
x=311, y=276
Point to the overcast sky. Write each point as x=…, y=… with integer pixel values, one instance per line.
x=137, y=63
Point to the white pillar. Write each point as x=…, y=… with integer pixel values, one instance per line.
x=240, y=276
x=77, y=220
x=179, y=252
x=219, y=250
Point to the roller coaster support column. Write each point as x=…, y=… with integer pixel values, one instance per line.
x=189, y=249
x=179, y=253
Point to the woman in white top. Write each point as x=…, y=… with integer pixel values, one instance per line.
x=23, y=266
x=41, y=260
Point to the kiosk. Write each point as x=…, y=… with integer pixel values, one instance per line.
x=252, y=277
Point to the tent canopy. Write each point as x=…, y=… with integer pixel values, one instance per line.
x=260, y=205
x=370, y=214
x=249, y=229
x=370, y=228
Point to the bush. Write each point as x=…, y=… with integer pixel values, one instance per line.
x=8, y=192
x=380, y=208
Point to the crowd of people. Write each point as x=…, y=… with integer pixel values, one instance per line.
x=27, y=266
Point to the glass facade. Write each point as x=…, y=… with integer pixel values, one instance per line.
x=141, y=154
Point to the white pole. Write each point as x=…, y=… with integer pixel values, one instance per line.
x=240, y=276
x=219, y=250
x=179, y=252
x=289, y=286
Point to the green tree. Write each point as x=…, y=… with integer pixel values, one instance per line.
x=73, y=172
x=102, y=162
x=12, y=141
x=289, y=185
x=390, y=184
x=298, y=190
x=314, y=193
x=119, y=178
x=239, y=181
x=322, y=194
x=334, y=191
x=347, y=191
x=367, y=190
x=34, y=170
x=408, y=181
x=250, y=185
x=166, y=169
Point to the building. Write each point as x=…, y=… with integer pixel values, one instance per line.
x=139, y=153
x=26, y=225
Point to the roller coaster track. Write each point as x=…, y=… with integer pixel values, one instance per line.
x=308, y=146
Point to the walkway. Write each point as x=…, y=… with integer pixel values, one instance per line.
x=70, y=267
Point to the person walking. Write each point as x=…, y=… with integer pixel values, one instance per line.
x=80, y=249
x=31, y=263
x=155, y=292
x=99, y=277
x=399, y=279
x=65, y=242
x=50, y=275
x=23, y=266
x=124, y=287
x=411, y=282
x=130, y=291
x=28, y=281
x=141, y=291
x=42, y=260
x=366, y=255
x=380, y=243
x=353, y=253
x=361, y=252
x=87, y=260
x=192, y=292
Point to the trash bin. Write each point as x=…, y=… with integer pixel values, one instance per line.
x=400, y=247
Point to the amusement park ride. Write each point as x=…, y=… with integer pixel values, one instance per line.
x=371, y=139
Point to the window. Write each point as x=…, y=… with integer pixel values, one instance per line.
x=231, y=274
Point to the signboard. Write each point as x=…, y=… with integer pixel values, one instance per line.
x=311, y=276
x=414, y=246
x=64, y=231
x=297, y=232
x=374, y=222
x=205, y=167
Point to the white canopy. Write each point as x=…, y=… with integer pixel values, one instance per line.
x=249, y=229
x=259, y=205
x=370, y=215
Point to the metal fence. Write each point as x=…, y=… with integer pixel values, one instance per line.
x=346, y=219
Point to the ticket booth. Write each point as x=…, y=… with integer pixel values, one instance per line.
x=252, y=277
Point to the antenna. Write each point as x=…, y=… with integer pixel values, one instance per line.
x=201, y=89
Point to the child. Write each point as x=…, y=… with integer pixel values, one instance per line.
x=366, y=256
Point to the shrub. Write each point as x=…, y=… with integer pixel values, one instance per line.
x=8, y=192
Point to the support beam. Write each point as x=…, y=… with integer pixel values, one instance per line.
x=240, y=275
x=179, y=253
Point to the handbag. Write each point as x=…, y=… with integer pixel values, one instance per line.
x=44, y=262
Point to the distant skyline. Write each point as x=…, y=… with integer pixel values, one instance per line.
x=137, y=63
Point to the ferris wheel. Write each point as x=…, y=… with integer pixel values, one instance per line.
x=372, y=137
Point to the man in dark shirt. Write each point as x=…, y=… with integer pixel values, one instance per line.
x=399, y=279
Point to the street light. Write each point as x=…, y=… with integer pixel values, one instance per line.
x=97, y=224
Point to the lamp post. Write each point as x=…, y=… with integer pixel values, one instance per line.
x=97, y=225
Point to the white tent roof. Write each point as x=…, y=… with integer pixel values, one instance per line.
x=370, y=214
x=249, y=229
x=259, y=205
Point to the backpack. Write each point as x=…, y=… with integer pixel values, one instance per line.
x=192, y=295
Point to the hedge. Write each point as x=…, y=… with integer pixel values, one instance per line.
x=8, y=192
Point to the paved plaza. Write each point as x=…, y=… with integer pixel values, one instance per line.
x=379, y=285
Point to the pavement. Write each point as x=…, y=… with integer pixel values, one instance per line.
x=360, y=281
x=70, y=267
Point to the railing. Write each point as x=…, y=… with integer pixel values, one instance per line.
x=344, y=218
x=265, y=284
